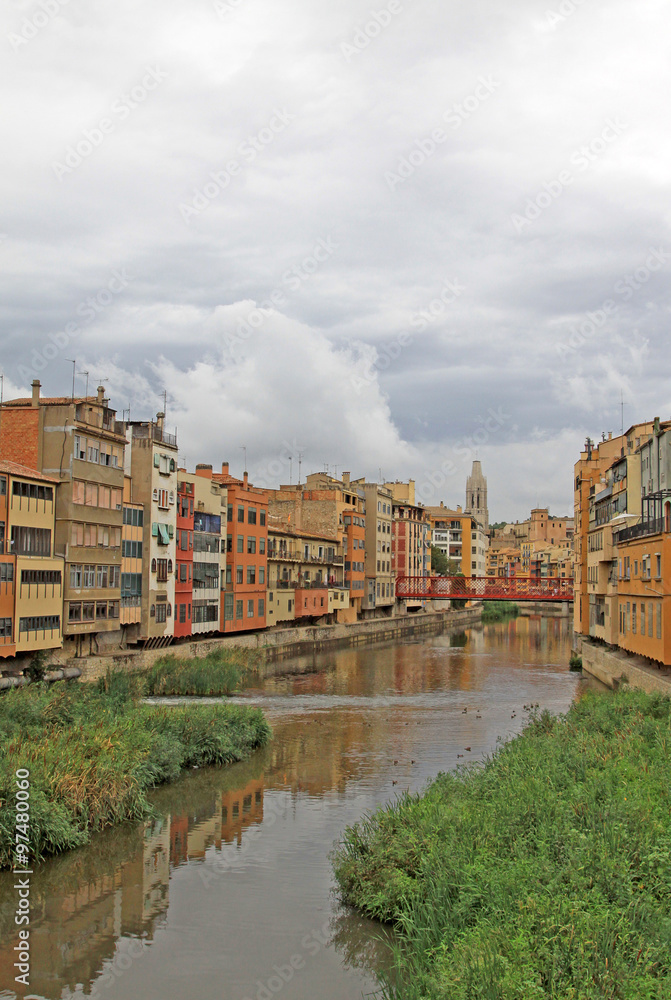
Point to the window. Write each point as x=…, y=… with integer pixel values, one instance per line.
x=229, y=513
x=163, y=499
x=6, y=628
x=659, y=619
x=101, y=609
x=251, y=574
x=658, y=571
x=239, y=574
x=89, y=577
x=642, y=619
x=162, y=570
x=250, y=609
x=132, y=550
x=7, y=572
x=251, y=515
x=633, y=617
x=251, y=545
x=238, y=609
x=75, y=612
x=262, y=517
x=229, y=575
x=102, y=577
x=30, y=541
x=40, y=623
x=262, y=546
x=75, y=576
x=650, y=623
x=88, y=611
x=262, y=574
x=241, y=515
x=182, y=613
x=161, y=613
x=240, y=541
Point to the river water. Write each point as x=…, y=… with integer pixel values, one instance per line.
x=227, y=893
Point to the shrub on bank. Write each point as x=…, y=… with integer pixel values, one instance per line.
x=496, y=611
x=221, y=672
x=94, y=750
x=544, y=873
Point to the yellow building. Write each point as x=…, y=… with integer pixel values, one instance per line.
x=31, y=576
x=131, y=558
x=305, y=575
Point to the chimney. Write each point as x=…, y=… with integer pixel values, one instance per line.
x=205, y=471
x=459, y=510
x=245, y=478
x=160, y=417
x=224, y=469
x=345, y=478
x=101, y=394
x=36, y=392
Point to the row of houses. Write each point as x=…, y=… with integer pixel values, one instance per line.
x=541, y=547
x=105, y=541
x=623, y=540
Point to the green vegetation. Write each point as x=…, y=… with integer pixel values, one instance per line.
x=219, y=673
x=94, y=750
x=496, y=611
x=439, y=561
x=544, y=873
x=575, y=663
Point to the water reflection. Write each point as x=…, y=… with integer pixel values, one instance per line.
x=230, y=877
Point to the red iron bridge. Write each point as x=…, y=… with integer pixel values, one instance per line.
x=484, y=588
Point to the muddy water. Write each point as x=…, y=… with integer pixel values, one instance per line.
x=227, y=893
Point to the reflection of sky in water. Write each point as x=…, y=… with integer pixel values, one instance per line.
x=232, y=878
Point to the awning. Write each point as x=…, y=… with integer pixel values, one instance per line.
x=163, y=536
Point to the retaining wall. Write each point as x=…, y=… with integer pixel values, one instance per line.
x=612, y=666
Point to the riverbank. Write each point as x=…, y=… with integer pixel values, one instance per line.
x=93, y=750
x=545, y=872
x=615, y=667
x=498, y=611
x=276, y=645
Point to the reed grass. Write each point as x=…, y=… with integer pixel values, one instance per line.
x=93, y=751
x=221, y=672
x=544, y=874
x=497, y=611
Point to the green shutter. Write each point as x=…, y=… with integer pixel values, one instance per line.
x=171, y=530
x=157, y=461
x=154, y=530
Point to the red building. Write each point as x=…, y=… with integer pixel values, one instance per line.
x=184, y=578
x=243, y=606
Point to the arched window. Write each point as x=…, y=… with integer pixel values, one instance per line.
x=169, y=565
x=153, y=565
x=169, y=611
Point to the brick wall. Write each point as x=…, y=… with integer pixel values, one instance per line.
x=19, y=436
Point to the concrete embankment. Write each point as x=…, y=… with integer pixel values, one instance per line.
x=545, y=609
x=278, y=645
x=614, y=668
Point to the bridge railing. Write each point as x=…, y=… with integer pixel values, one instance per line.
x=485, y=588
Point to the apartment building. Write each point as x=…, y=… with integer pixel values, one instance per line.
x=335, y=508
x=77, y=442
x=411, y=536
x=31, y=576
x=131, y=564
x=305, y=575
x=244, y=597
x=380, y=582
x=209, y=549
x=151, y=462
x=184, y=556
x=606, y=497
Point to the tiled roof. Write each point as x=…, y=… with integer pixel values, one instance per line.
x=14, y=469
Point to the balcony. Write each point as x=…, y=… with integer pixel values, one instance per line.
x=653, y=527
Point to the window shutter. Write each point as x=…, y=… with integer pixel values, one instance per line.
x=154, y=495
x=157, y=461
x=171, y=497
x=171, y=530
x=154, y=530
x=172, y=465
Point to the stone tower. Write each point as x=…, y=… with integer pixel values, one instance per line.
x=476, y=496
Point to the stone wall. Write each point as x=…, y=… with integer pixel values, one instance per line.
x=279, y=644
x=614, y=667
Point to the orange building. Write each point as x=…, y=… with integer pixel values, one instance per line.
x=244, y=598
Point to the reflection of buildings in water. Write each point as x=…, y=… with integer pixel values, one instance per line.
x=222, y=821
x=75, y=930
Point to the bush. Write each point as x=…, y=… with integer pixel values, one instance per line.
x=221, y=672
x=497, y=611
x=94, y=750
x=544, y=873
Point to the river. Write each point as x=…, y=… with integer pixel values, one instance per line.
x=226, y=894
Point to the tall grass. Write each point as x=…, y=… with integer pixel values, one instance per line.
x=497, y=611
x=94, y=750
x=544, y=873
x=221, y=672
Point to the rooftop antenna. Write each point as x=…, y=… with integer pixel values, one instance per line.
x=300, y=460
x=74, y=369
x=291, y=470
x=622, y=406
x=165, y=403
x=244, y=449
x=87, y=383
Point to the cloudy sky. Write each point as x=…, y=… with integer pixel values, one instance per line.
x=386, y=236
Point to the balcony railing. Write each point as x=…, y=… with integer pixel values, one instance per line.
x=654, y=527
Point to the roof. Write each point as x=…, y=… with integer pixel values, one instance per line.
x=288, y=529
x=14, y=469
x=51, y=400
